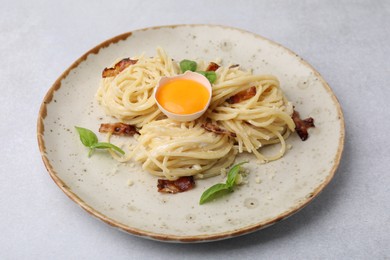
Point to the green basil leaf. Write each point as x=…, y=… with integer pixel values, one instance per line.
x=232, y=174
x=103, y=145
x=87, y=137
x=214, y=191
x=222, y=188
x=210, y=75
x=187, y=65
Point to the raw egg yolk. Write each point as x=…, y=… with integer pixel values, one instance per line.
x=183, y=96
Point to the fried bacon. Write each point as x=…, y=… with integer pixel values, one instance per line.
x=301, y=125
x=216, y=129
x=118, y=68
x=242, y=95
x=212, y=66
x=118, y=129
x=180, y=185
x=234, y=66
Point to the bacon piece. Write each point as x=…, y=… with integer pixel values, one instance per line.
x=180, y=185
x=301, y=125
x=216, y=129
x=212, y=66
x=118, y=129
x=242, y=95
x=118, y=68
x=234, y=66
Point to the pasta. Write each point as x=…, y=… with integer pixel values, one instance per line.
x=128, y=96
x=251, y=107
x=260, y=120
x=173, y=149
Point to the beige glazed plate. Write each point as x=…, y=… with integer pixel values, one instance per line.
x=126, y=197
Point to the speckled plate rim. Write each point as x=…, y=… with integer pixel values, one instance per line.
x=175, y=238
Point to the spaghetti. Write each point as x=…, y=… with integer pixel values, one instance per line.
x=173, y=149
x=128, y=95
x=251, y=107
x=259, y=120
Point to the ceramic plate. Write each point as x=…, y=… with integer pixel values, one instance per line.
x=126, y=197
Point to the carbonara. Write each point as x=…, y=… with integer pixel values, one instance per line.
x=252, y=108
x=128, y=95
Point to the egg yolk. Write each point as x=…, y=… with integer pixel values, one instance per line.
x=183, y=96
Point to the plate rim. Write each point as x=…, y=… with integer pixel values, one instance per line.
x=171, y=237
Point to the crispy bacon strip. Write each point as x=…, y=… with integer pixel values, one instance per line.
x=118, y=129
x=242, y=95
x=216, y=129
x=118, y=68
x=234, y=66
x=212, y=66
x=180, y=185
x=301, y=125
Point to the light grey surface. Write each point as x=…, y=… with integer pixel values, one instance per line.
x=346, y=41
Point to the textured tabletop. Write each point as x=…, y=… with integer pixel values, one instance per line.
x=346, y=41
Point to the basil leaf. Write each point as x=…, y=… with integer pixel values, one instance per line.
x=232, y=174
x=210, y=75
x=103, y=145
x=90, y=140
x=220, y=189
x=187, y=65
x=213, y=192
x=87, y=137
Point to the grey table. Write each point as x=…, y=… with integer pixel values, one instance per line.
x=346, y=41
